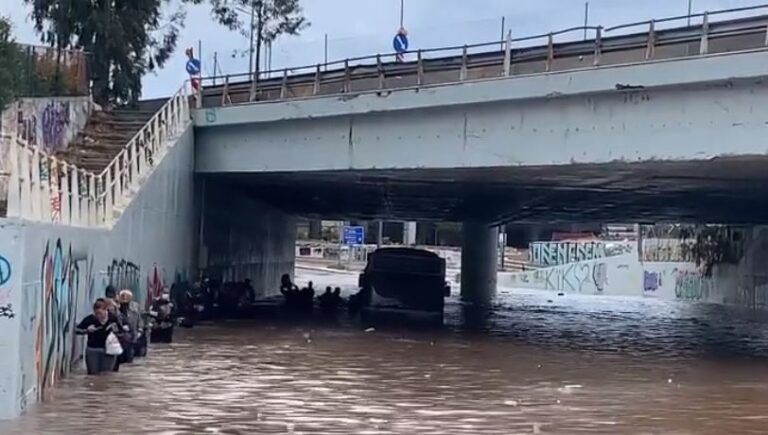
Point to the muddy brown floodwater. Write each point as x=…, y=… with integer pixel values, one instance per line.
x=534, y=363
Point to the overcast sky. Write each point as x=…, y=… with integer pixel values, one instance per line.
x=360, y=27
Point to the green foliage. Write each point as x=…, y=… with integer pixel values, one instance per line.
x=125, y=39
x=712, y=245
x=271, y=18
x=11, y=61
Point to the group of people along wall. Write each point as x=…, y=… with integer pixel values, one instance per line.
x=50, y=276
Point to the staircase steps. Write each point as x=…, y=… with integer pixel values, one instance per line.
x=105, y=134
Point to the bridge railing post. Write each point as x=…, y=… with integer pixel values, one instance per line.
x=505, y=70
x=766, y=35
x=15, y=179
x=225, y=91
x=76, y=207
x=284, y=85
x=650, y=47
x=380, y=70
x=419, y=68
x=316, y=87
x=25, y=166
x=704, y=45
x=37, y=186
x=464, y=68
x=550, y=52
x=92, y=207
x=347, y=78
x=598, y=46
x=64, y=193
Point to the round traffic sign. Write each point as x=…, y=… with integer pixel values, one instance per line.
x=400, y=43
x=193, y=67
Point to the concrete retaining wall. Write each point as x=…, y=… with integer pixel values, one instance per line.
x=245, y=239
x=744, y=284
x=57, y=272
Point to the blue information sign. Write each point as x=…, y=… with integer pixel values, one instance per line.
x=193, y=67
x=353, y=236
x=400, y=43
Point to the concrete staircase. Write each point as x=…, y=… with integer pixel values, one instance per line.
x=96, y=177
x=104, y=136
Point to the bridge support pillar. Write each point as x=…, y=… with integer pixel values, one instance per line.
x=409, y=233
x=315, y=229
x=478, y=262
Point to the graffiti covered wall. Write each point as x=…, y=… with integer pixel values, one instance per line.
x=49, y=123
x=11, y=249
x=59, y=271
x=546, y=254
x=603, y=276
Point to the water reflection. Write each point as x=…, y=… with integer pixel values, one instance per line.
x=532, y=362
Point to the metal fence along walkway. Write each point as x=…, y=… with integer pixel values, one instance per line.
x=514, y=56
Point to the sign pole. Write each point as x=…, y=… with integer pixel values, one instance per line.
x=402, y=12
x=690, y=11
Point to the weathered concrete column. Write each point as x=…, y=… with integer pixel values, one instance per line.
x=478, y=262
x=315, y=229
x=409, y=233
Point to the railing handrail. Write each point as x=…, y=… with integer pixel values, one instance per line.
x=144, y=128
x=44, y=187
x=374, y=57
x=686, y=17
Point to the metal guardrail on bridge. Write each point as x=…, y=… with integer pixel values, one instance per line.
x=485, y=61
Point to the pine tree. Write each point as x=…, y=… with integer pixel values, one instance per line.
x=123, y=39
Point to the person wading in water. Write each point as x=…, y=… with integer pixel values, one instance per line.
x=98, y=326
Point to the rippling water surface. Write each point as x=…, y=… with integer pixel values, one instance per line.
x=534, y=363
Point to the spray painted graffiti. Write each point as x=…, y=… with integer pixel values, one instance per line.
x=6, y=311
x=691, y=285
x=576, y=277
x=154, y=286
x=67, y=292
x=545, y=254
x=123, y=274
x=47, y=126
x=5, y=270
x=55, y=121
x=6, y=308
x=651, y=281
x=666, y=250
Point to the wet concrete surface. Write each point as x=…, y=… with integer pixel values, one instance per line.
x=533, y=363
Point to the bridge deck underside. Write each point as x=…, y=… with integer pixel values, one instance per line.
x=731, y=190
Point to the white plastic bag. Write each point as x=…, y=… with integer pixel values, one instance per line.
x=113, y=345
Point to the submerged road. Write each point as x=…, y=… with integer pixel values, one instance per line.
x=535, y=363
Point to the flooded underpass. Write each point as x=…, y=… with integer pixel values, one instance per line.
x=534, y=363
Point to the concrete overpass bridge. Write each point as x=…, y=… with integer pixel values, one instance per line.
x=663, y=125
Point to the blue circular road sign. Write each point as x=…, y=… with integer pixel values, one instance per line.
x=400, y=43
x=193, y=67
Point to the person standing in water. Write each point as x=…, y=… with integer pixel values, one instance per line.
x=98, y=326
x=129, y=310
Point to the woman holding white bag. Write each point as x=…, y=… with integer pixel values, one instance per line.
x=101, y=350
